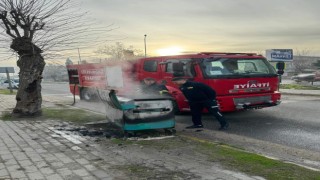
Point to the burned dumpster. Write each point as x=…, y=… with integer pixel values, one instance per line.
x=143, y=112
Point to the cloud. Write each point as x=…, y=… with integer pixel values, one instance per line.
x=232, y=25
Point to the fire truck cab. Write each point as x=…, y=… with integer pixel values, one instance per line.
x=241, y=80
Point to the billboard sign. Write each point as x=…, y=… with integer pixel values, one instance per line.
x=279, y=55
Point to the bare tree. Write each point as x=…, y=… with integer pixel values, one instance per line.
x=38, y=29
x=301, y=61
x=55, y=71
x=119, y=51
x=316, y=64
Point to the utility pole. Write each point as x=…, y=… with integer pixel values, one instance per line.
x=9, y=80
x=145, y=46
x=79, y=56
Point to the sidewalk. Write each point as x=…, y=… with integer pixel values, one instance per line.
x=35, y=150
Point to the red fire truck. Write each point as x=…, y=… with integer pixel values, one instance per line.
x=241, y=80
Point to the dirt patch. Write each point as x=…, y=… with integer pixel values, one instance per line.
x=138, y=171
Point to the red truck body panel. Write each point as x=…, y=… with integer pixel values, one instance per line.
x=233, y=92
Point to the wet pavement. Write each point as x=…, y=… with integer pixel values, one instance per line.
x=34, y=151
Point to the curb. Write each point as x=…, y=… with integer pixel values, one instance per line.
x=299, y=94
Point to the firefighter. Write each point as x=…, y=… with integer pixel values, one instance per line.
x=150, y=86
x=200, y=96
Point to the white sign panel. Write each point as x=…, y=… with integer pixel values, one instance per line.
x=114, y=77
x=279, y=55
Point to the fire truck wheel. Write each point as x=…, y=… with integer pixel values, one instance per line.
x=87, y=94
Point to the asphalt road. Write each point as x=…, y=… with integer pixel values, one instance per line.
x=294, y=123
x=52, y=88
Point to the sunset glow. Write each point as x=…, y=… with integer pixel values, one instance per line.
x=170, y=51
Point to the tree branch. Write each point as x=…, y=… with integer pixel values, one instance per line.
x=3, y=17
x=52, y=25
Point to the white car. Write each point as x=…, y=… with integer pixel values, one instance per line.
x=14, y=83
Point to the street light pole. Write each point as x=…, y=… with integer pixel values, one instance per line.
x=145, y=46
x=9, y=80
x=79, y=56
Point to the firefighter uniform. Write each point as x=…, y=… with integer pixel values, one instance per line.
x=202, y=96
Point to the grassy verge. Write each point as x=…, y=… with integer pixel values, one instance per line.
x=253, y=164
x=298, y=86
x=228, y=157
x=6, y=116
x=78, y=116
x=137, y=172
x=164, y=144
x=231, y=158
x=7, y=92
x=72, y=115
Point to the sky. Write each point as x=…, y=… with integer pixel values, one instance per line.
x=181, y=26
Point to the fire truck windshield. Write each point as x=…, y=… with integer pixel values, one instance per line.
x=224, y=67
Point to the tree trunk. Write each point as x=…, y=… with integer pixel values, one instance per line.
x=31, y=64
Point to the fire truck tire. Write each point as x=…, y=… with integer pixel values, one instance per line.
x=87, y=94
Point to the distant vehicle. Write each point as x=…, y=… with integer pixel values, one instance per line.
x=317, y=77
x=14, y=83
x=310, y=77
